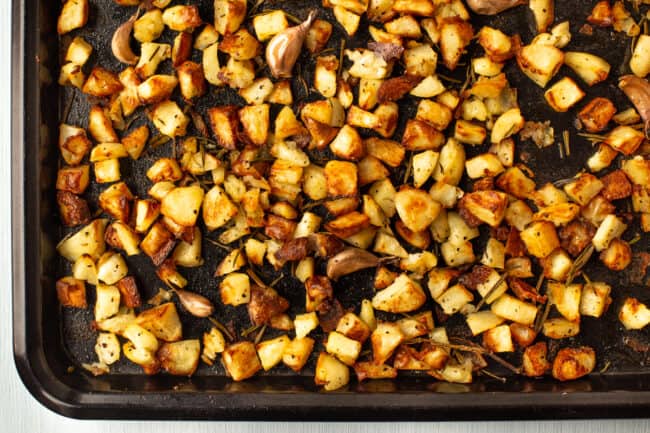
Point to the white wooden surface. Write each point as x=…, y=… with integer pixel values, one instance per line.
x=19, y=412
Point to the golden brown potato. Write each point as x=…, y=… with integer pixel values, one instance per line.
x=72, y=209
x=571, y=364
x=534, y=361
x=191, y=80
x=102, y=83
x=73, y=179
x=241, y=361
x=595, y=116
x=158, y=243
x=71, y=292
x=74, y=15
x=341, y=178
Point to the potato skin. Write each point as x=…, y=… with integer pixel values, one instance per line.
x=73, y=209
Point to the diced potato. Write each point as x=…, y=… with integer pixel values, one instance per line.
x=566, y=299
x=111, y=268
x=345, y=349
x=144, y=358
x=640, y=61
x=74, y=15
x=497, y=45
x=592, y=69
x=488, y=206
x=107, y=348
x=455, y=35
x=78, y=51
x=151, y=55
x=454, y=298
x=595, y=116
x=149, y=26
x=540, y=62
x=511, y=308
x=162, y=321
x=494, y=254
x=617, y=256
x=424, y=164
x=330, y=372
x=610, y=228
x=231, y=263
x=213, y=344
x=563, y=95
x=540, y=238
x=269, y=24
x=325, y=75
x=71, y=292
x=637, y=170
x=534, y=360
x=211, y=67
x=634, y=314
x=270, y=351
x=107, y=302
x=191, y=80
x=557, y=265
x=416, y=208
x=403, y=295
x=241, y=360
x=595, y=299
x=217, y=208
x=296, y=353
x=559, y=328
x=499, y=339
x=347, y=144
x=451, y=163
x=182, y=204
x=420, y=60
x=88, y=240
x=482, y=321
x=507, y=124
x=625, y=139
x=571, y=364
x=602, y=158
x=228, y=15
x=348, y=20
x=385, y=339
x=180, y=358
x=169, y=119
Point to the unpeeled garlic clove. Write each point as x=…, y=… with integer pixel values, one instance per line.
x=638, y=92
x=284, y=48
x=196, y=304
x=350, y=260
x=493, y=7
x=121, y=42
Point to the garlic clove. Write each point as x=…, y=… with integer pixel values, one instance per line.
x=350, y=260
x=121, y=42
x=638, y=92
x=493, y=7
x=195, y=304
x=284, y=48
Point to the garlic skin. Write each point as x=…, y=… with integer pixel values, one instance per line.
x=493, y=7
x=284, y=48
x=195, y=304
x=350, y=260
x=120, y=44
x=638, y=92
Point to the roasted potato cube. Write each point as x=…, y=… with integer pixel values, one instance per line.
x=402, y=296
x=88, y=240
x=144, y=358
x=330, y=372
x=146, y=212
x=107, y=302
x=595, y=116
x=107, y=348
x=434, y=113
x=235, y=289
x=191, y=80
x=182, y=204
x=241, y=45
x=169, y=119
x=488, y=206
x=317, y=36
x=347, y=225
x=592, y=69
x=421, y=135
x=563, y=95
x=74, y=15
x=78, y=51
x=511, y=308
x=347, y=144
x=269, y=24
x=540, y=238
x=534, y=360
x=566, y=299
x=213, y=344
x=270, y=351
x=211, y=67
x=451, y=163
x=255, y=122
x=540, y=62
x=416, y=208
x=73, y=210
x=482, y=321
x=71, y=292
x=571, y=364
x=454, y=299
x=158, y=243
x=617, y=256
x=296, y=353
x=497, y=45
x=162, y=321
x=149, y=26
x=455, y=35
x=182, y=18
x=241, y=360
x=498, y=339
x=72, y=75
x=634, y=314
x=135, y=141
x=610, y=228
x=157, y=88
x=341, y=179
x=637, y=170
x=625, y=139
x=228, y=15
x=231, y=263
x=640, y=63
x=151, y=55
x=344, y=348
x=225, y=123
x=120, y=236
x=385, y=339
x=180, y=358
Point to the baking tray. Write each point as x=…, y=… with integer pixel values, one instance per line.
x=48, y=360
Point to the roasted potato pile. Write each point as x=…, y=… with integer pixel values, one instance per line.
x=446, y=213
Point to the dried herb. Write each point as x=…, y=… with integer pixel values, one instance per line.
x=492, y=290
x=579, y=263
x=221, y=328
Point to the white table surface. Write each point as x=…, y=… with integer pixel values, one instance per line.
x=19, y=412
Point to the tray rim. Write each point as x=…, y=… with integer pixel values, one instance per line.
x=54, y=394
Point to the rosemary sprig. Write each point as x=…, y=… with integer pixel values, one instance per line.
x=567, y=143
x=260, y=334
x=158, y=140
x=490, y=292
x=248, y=331
x=579, y=263
x=219, y=244
x=221, y=328
x=493, y=376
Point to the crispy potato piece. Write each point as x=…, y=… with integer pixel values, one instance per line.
x=341, y=179
x=595, y=116
x=101, y=83
x=564, y=94
x=571, y=364
x=534, y=360
x=74, y=15
x=241, y=361
x=71, y=292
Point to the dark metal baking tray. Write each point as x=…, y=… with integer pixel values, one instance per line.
x=44, y=353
